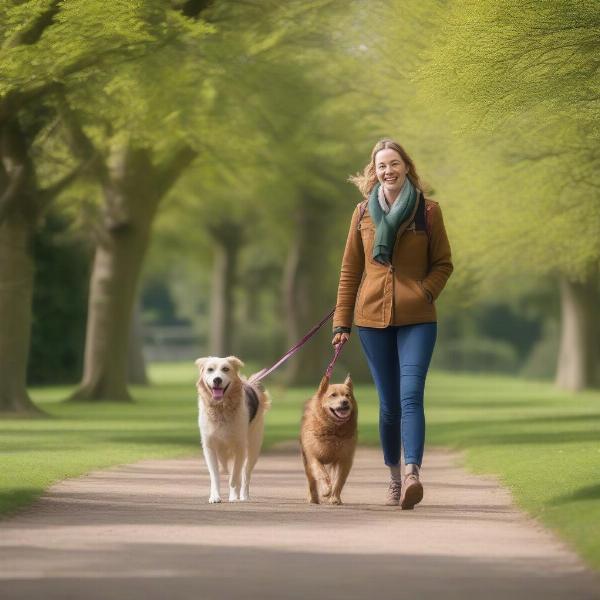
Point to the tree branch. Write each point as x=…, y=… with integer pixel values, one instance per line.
x=17, y=100
x=170, y=170
x=35, y=28
x=79, y=142
x=191, y=8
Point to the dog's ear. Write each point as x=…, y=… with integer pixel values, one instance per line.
x=323, y=386
x=200, y=362
x=348, y=383
x=235, y=362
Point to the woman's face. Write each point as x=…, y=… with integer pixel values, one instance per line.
x=391, y=171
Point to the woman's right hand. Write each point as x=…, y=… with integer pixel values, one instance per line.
x=339, y=337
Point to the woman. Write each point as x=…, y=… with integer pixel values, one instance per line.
x=396, y=262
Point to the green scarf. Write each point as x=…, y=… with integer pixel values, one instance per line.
x=397, y=220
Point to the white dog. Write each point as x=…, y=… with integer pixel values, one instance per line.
x=231, y=421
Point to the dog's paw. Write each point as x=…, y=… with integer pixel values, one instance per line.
x=326, y=492
x=214, y=500
x=312, y=500
x=335, y=500
x=234, y=498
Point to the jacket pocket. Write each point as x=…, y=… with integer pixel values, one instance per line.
x=370, y=301
x=414, y=296
x=424, y=291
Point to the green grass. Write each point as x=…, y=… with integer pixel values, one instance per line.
x=543, y=444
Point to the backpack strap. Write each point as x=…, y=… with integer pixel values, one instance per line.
x=361, y=212
x=428, y=219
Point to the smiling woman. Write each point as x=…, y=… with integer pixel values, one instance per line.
x=396, y=263
x=391, y=172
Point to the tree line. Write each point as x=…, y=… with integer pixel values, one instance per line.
x=228, y=121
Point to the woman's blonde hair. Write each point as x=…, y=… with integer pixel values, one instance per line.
x=368, y=178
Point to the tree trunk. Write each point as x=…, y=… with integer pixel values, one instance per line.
x=133, y=188
x=130, y=206
x=113, y=287
x=18, y=215
x=136, y=363
x=227, y=240
x=579, y=351
x=16, y=291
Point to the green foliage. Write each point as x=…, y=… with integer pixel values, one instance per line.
x=59, y=304
x=280, y=140
x=521, y=56
x=103, y=69
x=147, y=100
x=82, y=35
x=157, y=304
x=515, y=90
x=497, y=104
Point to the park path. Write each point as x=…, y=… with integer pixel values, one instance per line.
x=145, y=531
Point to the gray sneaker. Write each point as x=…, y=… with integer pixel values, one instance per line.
x=393, y=493
x=412, y=492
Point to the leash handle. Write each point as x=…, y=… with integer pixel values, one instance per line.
x=338, y=349
x=264, y=372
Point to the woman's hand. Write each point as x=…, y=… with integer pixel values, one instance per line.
x=339, y=337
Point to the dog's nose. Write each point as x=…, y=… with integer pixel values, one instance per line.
x=217, y=381
x=345, y=403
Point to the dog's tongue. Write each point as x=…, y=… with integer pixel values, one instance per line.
x=217, y=393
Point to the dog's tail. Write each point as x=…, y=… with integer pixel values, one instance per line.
x=265, y=400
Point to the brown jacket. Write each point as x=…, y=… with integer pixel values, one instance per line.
x=404, y=292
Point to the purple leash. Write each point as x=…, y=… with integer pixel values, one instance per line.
x=264, y=372
x=338, y=349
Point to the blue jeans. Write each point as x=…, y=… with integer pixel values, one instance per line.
x=399, y=358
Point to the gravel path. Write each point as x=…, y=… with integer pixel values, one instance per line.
x=146, y=531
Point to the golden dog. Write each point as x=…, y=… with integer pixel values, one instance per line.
x=231, y=420
x=328, y=439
